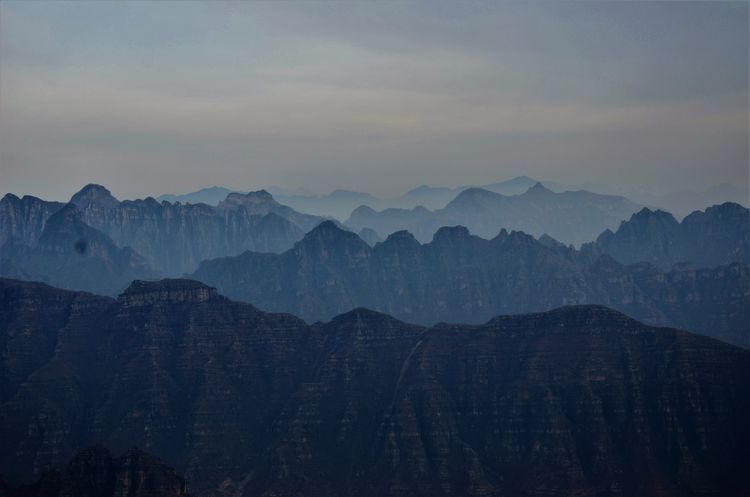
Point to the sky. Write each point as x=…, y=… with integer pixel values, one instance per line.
x=161, y=97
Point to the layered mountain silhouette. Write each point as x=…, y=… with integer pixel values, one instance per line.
x=71, y=254
x=707, y=238
x=94, y=472
x=459, y=277
x=173, y=238
x=573, y=217
x=577, y=401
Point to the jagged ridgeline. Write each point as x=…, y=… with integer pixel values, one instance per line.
x=577, y=401
x=458, y=277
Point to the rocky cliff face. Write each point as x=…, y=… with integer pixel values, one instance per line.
x=174, y=238
x=463, y=278
x=93, y=472
x=571, y=217
x=23, y=219
x=71, y=254
x=720, y=235
x=577, y=401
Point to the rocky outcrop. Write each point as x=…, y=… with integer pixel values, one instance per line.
x=571, y=217
x=719, y=235
x=73, y=255
x=93, y=472
x=458, y=277
x=577, y=401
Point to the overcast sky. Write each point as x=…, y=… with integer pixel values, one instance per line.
x=168, y=96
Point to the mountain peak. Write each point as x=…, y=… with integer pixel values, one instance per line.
x=93, y=195
x=260, y=199
x=647, y=215
x=538, y=188
x=141, y=293
x=447, y=233
x=328, y=235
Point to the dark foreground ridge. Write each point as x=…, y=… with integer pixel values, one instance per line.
x=93, y=472
x=581, y=400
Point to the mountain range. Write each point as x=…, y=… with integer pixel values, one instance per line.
x=570, y=217
x=459, y=277
x=716, y=236
x=172, y=238
x=340, y=203
x=581, y=400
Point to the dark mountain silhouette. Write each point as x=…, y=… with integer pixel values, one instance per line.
x=458, y=277
x=571, y=217
x=94, y=472
x=718, y=235
x=577, y=401
x=73, y=255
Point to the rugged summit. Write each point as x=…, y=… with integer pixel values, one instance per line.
x=577, y=401
x=719, y=235
x=571, y=217
x=458, y=277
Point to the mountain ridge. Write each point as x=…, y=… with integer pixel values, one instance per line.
x=370, y=406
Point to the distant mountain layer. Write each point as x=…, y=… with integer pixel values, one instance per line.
x=209, y=196
x=571, y=217
x=71, y=254
x=94, y=472
x=717, y=236
x=577, y=401
x=340, y=203
x=458, y=277
x=173, y=238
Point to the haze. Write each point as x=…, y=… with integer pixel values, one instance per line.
x=164, y=97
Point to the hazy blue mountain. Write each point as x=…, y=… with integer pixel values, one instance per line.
x=570, y=217
x=210, y=196
x=73, y=255
x=338, y=204
x=718, y=235
x=459, y=277
x=369, y=236
x=174, y=238
x=247, y=403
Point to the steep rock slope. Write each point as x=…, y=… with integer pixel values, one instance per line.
x=577, y=401
x=23, y=219
x=459, y=277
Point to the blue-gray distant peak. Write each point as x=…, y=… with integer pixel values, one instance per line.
x=93, y=195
